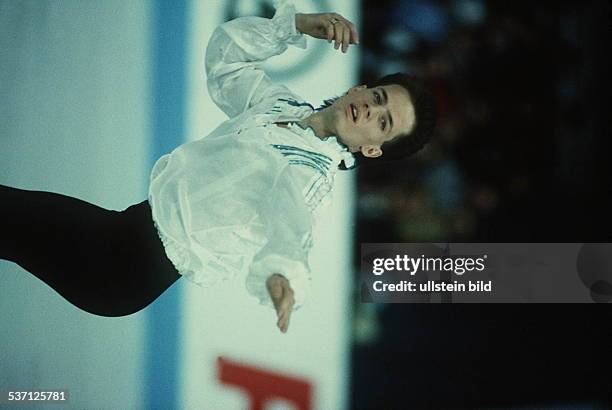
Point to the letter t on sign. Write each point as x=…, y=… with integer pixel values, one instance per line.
x=262, y=385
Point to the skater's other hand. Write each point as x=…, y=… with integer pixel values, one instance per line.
x=329, y=26
x=282, y=297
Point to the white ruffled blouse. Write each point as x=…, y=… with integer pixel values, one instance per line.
x=244, y=199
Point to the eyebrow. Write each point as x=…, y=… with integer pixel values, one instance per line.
x=386, y=103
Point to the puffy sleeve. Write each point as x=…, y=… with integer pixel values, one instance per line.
x=288, y=226
x=236, y=50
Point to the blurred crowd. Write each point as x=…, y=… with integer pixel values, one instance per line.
x=507, y=80
x=521, y=153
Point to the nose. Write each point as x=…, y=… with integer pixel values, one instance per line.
x=368, y=112
x=376, y=109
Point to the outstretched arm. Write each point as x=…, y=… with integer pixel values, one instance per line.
x=235, y=51
x=237, y=48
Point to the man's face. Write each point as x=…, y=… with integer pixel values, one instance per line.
x=365, y=118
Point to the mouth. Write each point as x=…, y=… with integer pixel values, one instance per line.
x=352, y=113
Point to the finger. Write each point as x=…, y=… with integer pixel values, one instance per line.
x=282, y=327
x=354, y=34
x=353, y=30
x=281, y=311
x=287, y=319
x=281, y=317
x=330, y=32
x=283, y=308
x=346, y=38
x=283, y=323
x=277, y=306
x=337, y=35
x=288, y=299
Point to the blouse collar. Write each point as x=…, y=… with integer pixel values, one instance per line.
x=330, y=145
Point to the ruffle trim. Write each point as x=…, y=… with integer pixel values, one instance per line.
x=329, y=145
x=297, y=273
x=345, y=155
x=178, y=256
x=284, y=24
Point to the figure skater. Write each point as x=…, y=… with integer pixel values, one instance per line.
x=241, y=201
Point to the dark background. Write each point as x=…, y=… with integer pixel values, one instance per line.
x=521, y=153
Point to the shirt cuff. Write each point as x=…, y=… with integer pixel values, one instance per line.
x=296, y=273
x=284, y=24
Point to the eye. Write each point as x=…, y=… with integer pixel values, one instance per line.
x=378, y=100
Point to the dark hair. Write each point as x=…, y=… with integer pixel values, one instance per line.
x=405, y=145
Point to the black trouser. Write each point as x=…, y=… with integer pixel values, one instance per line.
x=108, y=263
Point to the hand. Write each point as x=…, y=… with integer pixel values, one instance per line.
x=282, y=297
x=331, y=26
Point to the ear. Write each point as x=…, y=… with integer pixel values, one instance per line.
x=371, y=151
